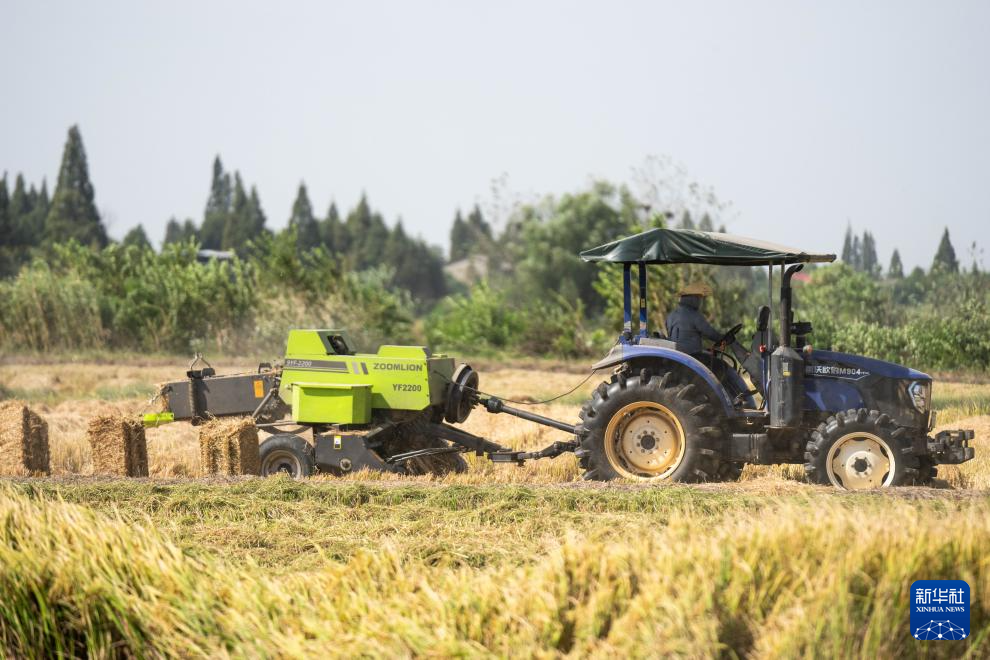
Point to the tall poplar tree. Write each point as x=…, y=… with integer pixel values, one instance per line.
x=73, y=213
x=218, y=207
x=945, y=257
x=460, y=239
x=304, y=222
x=239, y=227
x=896, y=269
x=869, y=262
x=333, y=232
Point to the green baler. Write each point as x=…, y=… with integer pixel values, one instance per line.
x=391, y=410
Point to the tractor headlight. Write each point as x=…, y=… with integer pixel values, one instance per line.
x=920, y=392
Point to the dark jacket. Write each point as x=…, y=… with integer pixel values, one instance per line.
x=687, y=326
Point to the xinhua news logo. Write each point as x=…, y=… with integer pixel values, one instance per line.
x=939, y=610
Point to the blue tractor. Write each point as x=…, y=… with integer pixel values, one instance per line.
x=667, y=415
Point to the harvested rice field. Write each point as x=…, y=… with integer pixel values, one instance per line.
x=499, y=561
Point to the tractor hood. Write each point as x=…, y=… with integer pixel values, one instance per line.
x=853, y=367
x=687, y=246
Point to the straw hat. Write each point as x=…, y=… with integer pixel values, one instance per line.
x=696, y=289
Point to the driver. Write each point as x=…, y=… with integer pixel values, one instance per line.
x=687, y=325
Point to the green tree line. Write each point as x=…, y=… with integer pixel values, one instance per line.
x=516, y=286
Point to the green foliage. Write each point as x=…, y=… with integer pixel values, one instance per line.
x=46, y=310
x=947, y=326
x=543, y=242
x=485, y=320
x=480, y=321
x=130, y=297
x=73, y=214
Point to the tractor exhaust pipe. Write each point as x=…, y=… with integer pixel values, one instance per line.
x=786, y=313
x=786, y=366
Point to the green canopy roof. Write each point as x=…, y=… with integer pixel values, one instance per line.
x=686, y=246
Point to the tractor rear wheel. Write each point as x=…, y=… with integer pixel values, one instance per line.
x=861, y=449
x=648, y=428
x=285, y=453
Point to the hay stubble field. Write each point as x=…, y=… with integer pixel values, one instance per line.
x=498, y=561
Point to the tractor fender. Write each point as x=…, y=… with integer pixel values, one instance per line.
x=624, y=353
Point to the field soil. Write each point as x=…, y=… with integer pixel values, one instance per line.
x=497, y=561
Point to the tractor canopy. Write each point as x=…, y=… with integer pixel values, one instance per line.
x=687, y=246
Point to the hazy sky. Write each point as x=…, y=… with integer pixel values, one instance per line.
x=804, y=116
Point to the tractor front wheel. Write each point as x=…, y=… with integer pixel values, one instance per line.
x=285, y=453
x=861, y=449
x=647, y=428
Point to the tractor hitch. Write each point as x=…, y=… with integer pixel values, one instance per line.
x=519, y=457
x=951, y=447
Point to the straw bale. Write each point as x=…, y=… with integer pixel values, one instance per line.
x=229, y=446
x=119, y=446
x=23, y=440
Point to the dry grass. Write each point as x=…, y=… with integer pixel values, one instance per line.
x=498, y=561
x=481, y=571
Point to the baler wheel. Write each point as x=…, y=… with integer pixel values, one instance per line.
x=286, y=453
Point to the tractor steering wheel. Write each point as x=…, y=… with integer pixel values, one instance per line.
x=729, y=337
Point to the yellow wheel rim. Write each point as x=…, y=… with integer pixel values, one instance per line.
x=859, y=461
x=644, y=440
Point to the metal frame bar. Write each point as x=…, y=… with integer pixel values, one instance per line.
x=643, y=319
x=626, y=302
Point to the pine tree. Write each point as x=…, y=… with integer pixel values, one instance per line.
x=304, y=222
x=33, y=229
x=869, y=262
x=189, y=230
x=396, y=255
x=366, y=236
x=460, y=238
x=686, y=221
x=857, y=254
x=218, y=207
x=333, y=232
x=21, y=215
x=173, y=232
x=239, y=227
x=256, y=215
x=896, y=269
x=137, y=237
x=73, y=213
x=706, y=223
x=847, y=246
x=945, y=257
x=6, y=225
